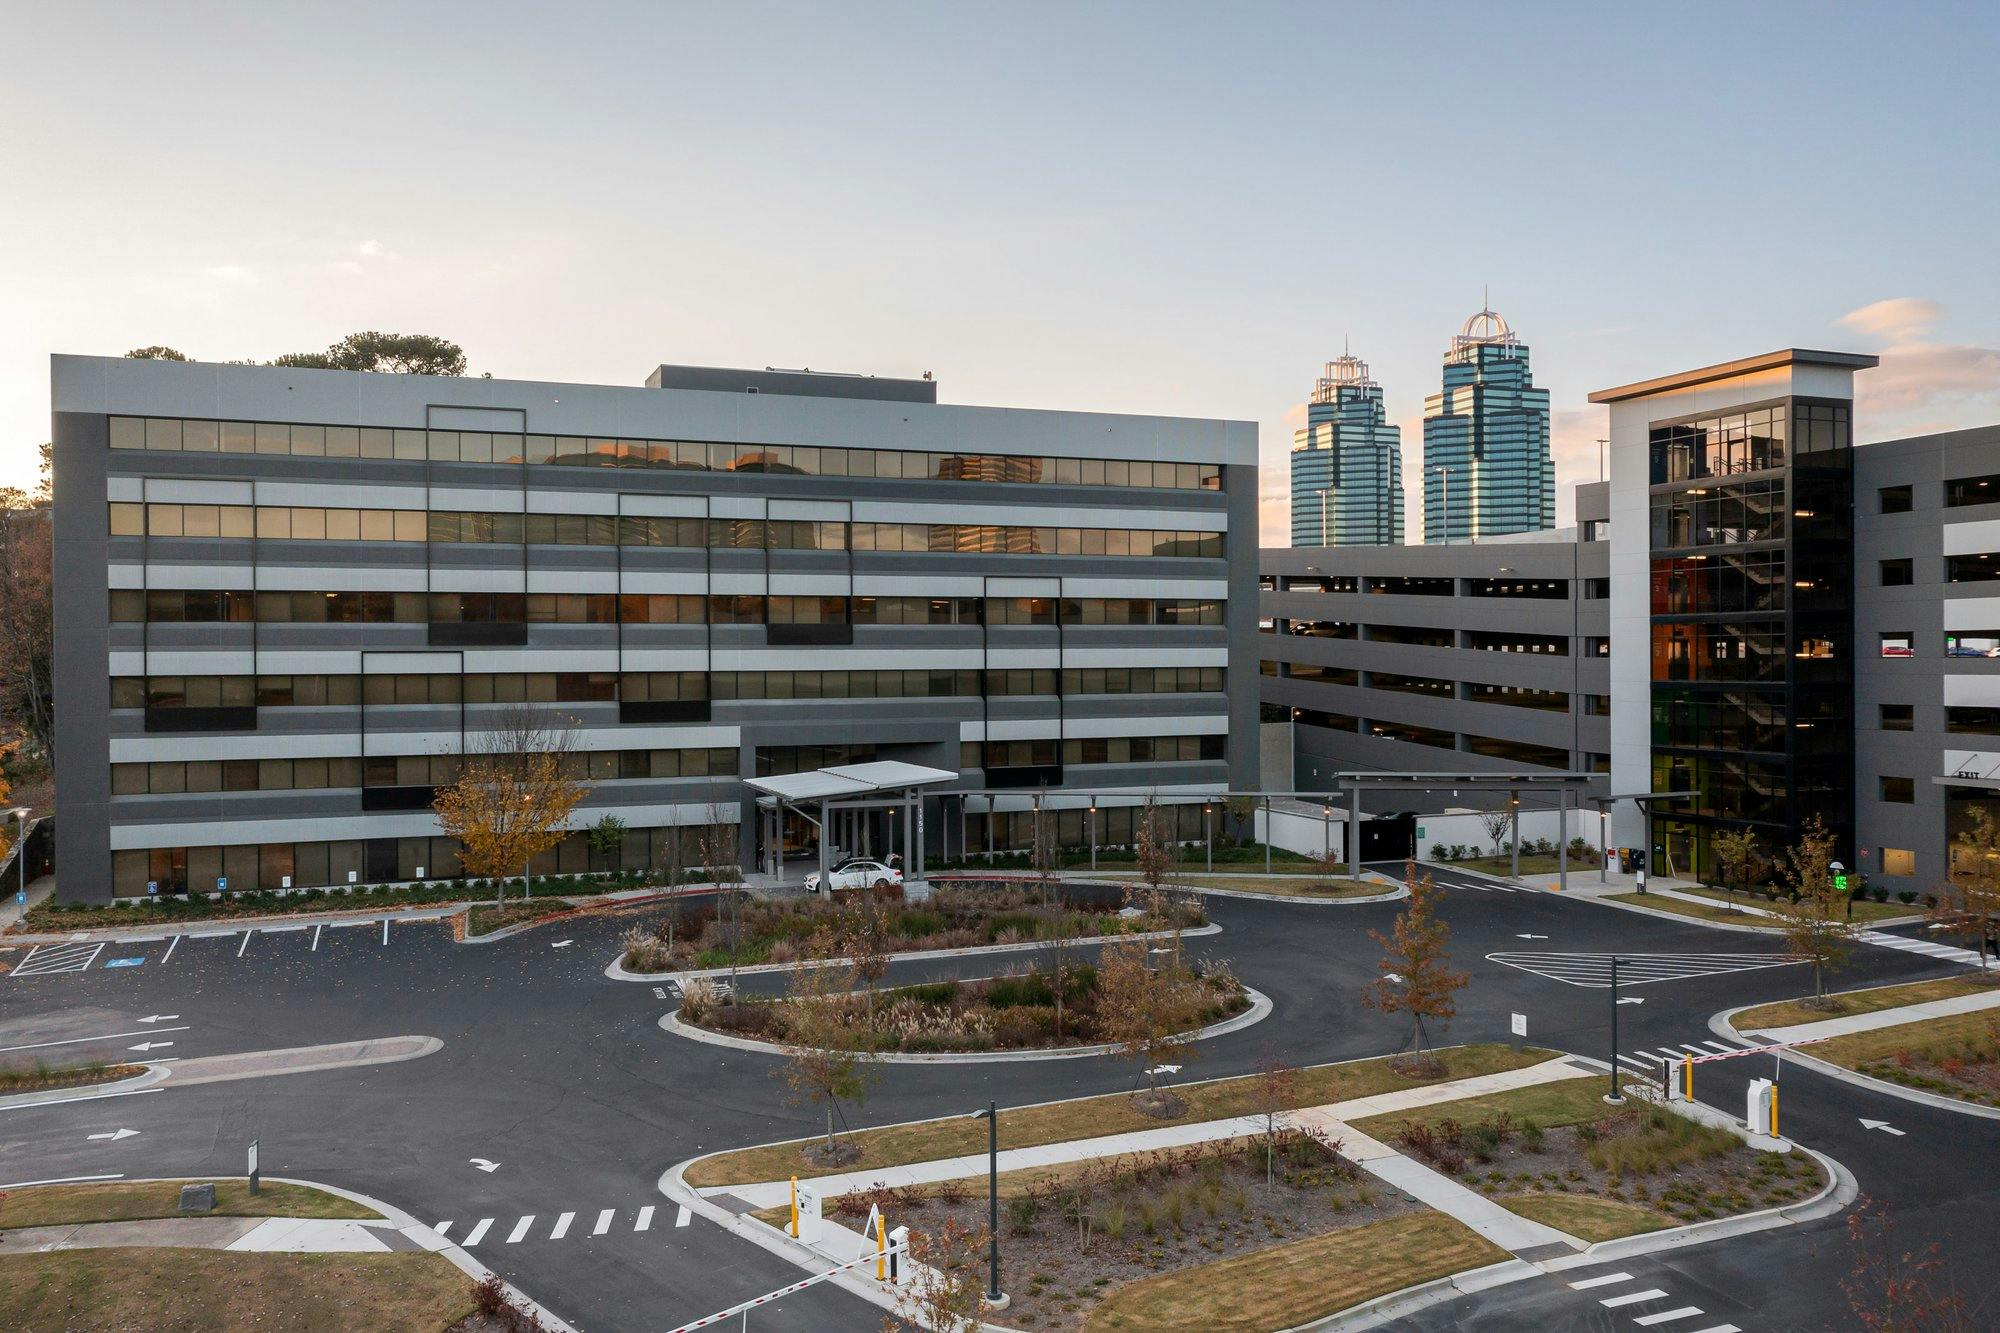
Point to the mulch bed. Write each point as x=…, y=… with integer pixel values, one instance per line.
x=1972, y=1080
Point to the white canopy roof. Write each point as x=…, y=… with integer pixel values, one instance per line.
x=851, y=780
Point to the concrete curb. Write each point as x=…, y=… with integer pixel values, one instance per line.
x=1259, y=1010
x=616, y=970
x=1720, y=1025
x=153, y=1073
x=1300, y=899
x=1386, y=1309
x=1765, y=931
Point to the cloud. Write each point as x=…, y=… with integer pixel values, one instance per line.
x=230, y=273
x=1898, y=319
x=369, y=248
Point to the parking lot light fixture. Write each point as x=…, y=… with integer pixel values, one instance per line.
x=991, y=1115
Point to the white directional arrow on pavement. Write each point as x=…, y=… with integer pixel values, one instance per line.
x=149, y=1045
x=483, y=1164
x=121, y=1134
x=1633, y=1000
x=1882, y=1125
x=562, y=944
x=1531, y=937
x=1395, y=977
x=158, y=1018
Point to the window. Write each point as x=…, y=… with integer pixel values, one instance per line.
x=1972, y=491
x=1900, y=791
x=1969, y=721
x=1597, y=705
x=1898, y=644
x=1596, y=590
x=1895, y=499
x=1898, y=573
x=1543, y=589
x=1898, y=717
x=1898, y=861
x=1973, y=643
x=1981, y=568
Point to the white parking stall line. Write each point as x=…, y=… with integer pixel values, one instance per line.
x=477, y=1234
x=246, y=944
x=520, y=1229
x=1604, y=1281
x=645, y=1221
x=316, y=930
x=603, y=1222
x=172, y=945
x=443, y=1229
x=561, y=1228
x=1632, y=1298
x=385, y=930
x=1667, y=1316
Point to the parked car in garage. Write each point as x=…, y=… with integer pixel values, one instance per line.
x=856, y=874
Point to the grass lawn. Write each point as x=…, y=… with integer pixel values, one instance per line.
x=218, y=1291
x=1659, y=902
x=129, y=1201
x=1292, y=884
x=40, y=1078
x=1975, y=1031
x=1865, y=910
x=1092, y=1117
x=1573, y=1101
x=1586, y=1218
x=488, y=918
x=1503, y=864
x=1786, y=1013
x=1286, y=1285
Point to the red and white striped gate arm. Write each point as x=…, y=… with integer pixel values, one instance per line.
x=767, y=1298
x=1750, y=1050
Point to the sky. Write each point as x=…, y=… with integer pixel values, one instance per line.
x=1165, y=208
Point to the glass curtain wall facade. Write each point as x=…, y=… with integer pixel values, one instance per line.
x=1487, y=467
x=1752, y=631
x=1347, y=464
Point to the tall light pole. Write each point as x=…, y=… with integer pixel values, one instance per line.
x=1445, y=473
x=1615, y=1097
x=20, y=813
x=991, y=1115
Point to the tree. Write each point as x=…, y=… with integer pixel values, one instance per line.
x=1969, y=900
x=1811, y=914
x=1495, y=823
x=1155, y=851
x=1147, y=1014
x=946, y=1292
x=821, y=1065
x=1276, y=1091
x=1736, y=855
x=1890, y=1289
x=607, y=837
x=1242, y=811
x=717, y=845
x=27, y=613
x=860, y=938
x=513, y=797
x=1416, y=976
x=393, y=353
x=155, y=353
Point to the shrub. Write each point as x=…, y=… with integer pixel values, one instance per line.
x=489, y=1297
x=1906, y=897
x=1440, y=852
x=1879, y=895
x=1021, y=1211
x=931, y=992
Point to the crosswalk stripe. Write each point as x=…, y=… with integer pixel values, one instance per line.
x=562, y=1226
x=1721, y=1328
x=1606, y=1280
x=520, y=1229
x=1667, y=1316
x=603, y=1222
x=1649, y=1066
x=681, y=1218
x=442, y=1229
x=478, y=1233
x=645, y=1222
x=1632, y=1298
x=1718, y=1046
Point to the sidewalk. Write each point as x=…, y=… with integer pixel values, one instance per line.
x=272, y=1235
x=38, y=889
x=1881, y=1018
x=1509, y=1230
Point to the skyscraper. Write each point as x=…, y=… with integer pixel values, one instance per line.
x=1347, y=464
x=1487, y=469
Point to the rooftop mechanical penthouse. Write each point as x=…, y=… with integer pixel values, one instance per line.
x=288, y=601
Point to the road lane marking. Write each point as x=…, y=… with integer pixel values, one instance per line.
x=477, y=1234
x=441, y=1228
x=681, y=1218
x=88, y=1097
x=1722, y=1328
x=1667, y=1316
x=562, y=1226
x=1606, y=1280
x=1632, y=1298
x=521, y=1229
x=316, y=930
x=107, y=1036
x=385, y=930
x=172, y=945
x=44, y=959
x=645, y=1222
x=246, y=944
x=603, y=1222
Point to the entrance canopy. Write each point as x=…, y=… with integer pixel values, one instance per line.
x=842, y=802
x=850, y=780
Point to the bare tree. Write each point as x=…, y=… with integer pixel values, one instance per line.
x=1416, y=976
x=1276, y=1092
x=822, y=1065
x=718, y=846
x=1736, y=855
x=1045, y=858
x=1495, y=822
x=1810, y=914
x=514, y=795
x=1155, y=850
x=1147, y=1014
x=947, y=1289
x=1891, y=1288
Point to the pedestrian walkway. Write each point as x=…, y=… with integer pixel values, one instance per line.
x=580, y=1223
x=1882, y=1018
x=1929, y=948
x=1594, y=970
x=1646, y=1060
x=1623, y=1296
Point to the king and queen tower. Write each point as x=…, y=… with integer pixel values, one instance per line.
x=1487, y=467
x=1347, y=464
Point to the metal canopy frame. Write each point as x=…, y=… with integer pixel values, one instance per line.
x=856, y=787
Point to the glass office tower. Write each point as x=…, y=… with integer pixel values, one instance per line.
x=1347, y=464
x=1487, y=468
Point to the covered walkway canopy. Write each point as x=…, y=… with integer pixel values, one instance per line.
x=829, y=797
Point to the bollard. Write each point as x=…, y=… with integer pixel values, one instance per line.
x=881, y=1248
x=1687, y=1079
x=795, y=1207
x=899, y=1255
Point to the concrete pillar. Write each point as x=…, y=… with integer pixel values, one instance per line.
x=1562, y=839
x=1354, y=832
x=1514, y=811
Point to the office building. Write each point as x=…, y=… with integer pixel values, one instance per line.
x=1347, y=464
x=1487, y=467
x=288, y=601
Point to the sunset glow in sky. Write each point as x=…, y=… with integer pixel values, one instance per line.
x=1170, y=208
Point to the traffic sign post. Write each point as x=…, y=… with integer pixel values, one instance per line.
x=254, y=1178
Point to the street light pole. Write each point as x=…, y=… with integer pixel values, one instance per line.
x=1614, y=1097
x=20, y=813
x=991, y=1115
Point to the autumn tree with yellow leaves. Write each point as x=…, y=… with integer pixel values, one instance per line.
x=513, y=797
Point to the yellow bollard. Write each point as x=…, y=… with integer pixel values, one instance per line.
x=881, y=1248
x=795, y=1207
x=1687, y=1078
x=1774, y=1110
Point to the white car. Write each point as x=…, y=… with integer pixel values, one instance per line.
x=856, y=875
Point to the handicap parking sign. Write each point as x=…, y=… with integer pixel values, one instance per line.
x=152, y=886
